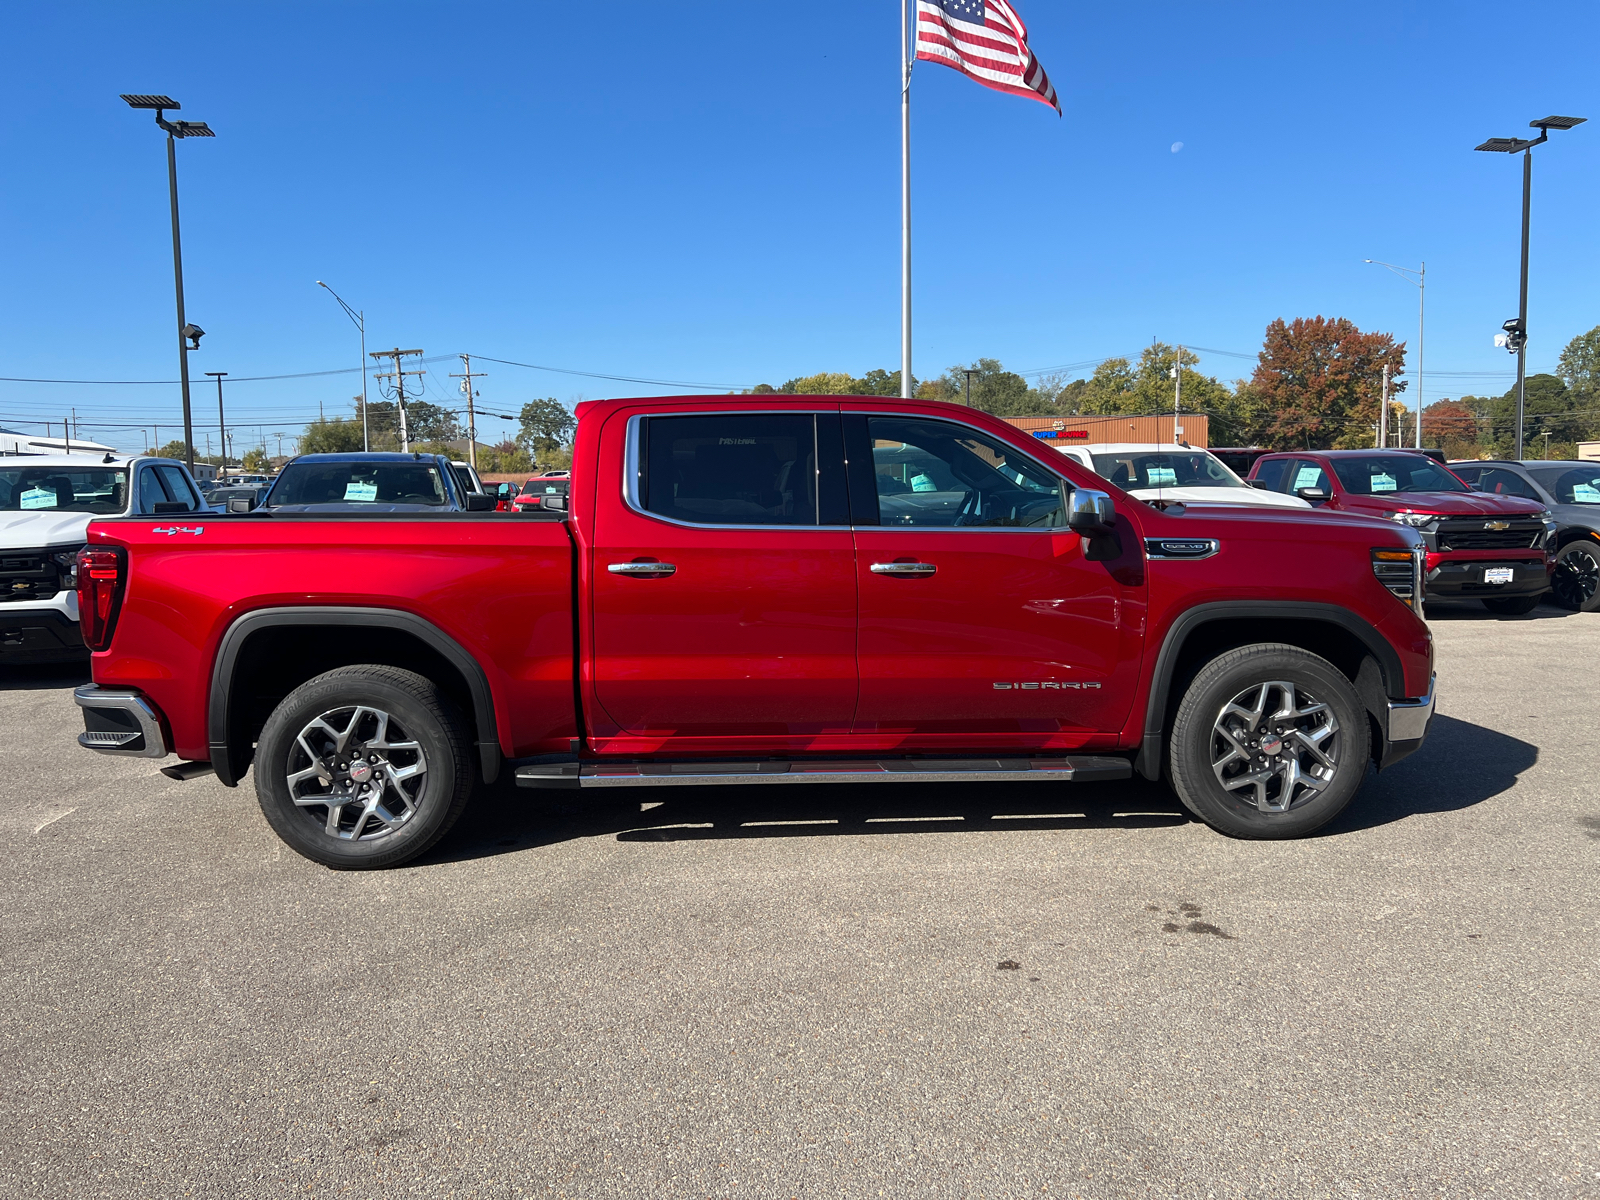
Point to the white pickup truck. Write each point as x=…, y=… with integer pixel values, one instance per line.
x=46, y=504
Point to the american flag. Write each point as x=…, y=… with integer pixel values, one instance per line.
x=986, y=41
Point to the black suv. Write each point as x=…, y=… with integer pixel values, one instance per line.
x=1571, y=490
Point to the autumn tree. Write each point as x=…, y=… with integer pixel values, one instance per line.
x=1451, y=426
x=1319, y=381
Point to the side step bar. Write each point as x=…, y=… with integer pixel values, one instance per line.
x=1081, y=769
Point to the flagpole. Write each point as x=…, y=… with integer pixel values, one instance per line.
x=905, y=205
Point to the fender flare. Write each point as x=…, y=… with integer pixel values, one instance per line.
x=234, y=637
x=1151, y=746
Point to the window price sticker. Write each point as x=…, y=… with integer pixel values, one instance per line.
x=361, y=491
x=38, y=498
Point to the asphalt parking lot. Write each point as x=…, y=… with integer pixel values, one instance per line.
x=881, y=991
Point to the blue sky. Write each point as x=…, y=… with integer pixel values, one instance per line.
x=714, y=197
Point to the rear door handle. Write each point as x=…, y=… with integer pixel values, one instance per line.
x=903, y=568
x=643, y=570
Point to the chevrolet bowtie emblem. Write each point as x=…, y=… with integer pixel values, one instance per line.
x=1497, y=524
x=197, y=530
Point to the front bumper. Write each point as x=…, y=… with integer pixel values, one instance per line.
x=39, y=635
x=1463, y=579
x=119, y=721
x=1406, y=726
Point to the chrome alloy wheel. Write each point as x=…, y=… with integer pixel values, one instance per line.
x=360, y=766
x=1276, y=745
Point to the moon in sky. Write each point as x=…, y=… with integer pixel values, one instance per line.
x=1176, y=146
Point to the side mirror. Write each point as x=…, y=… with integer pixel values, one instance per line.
x=168, y=506
x=241, y=504
x=1312, y=495
x=556, y=503
x=478, y=502
x=1258, y=483
x=1090, y=512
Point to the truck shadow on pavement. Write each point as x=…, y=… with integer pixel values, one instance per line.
x=1461, y=765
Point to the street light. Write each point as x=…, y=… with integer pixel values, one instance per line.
x=360, y=321
x=222, y=426
x=1421, y=282
x=187, y=333
x=1516, y=339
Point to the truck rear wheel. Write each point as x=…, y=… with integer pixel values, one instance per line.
x=1270, y=741
x=363, y=767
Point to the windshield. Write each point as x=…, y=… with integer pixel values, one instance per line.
x=1581, y=486
x=360, y=483
x=1180, y=468
x=546, y=487
x=1381, y=474
x=63, y=489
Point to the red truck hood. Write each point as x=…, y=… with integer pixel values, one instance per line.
x=1446, y=504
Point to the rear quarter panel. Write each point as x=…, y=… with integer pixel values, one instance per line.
x=499, y=586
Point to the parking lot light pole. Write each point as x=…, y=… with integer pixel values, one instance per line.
x=1421, y=282
x=359, y=319
x=1516, y=335
x=187, y=333
x=222, y=426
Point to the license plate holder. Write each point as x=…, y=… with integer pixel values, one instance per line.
x=1498, y=574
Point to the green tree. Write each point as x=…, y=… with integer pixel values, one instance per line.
x=173, y=449
x=331, y=437
x=825, y=383
x=1319, y=383
x=1579, y=364
x=994, y=390
x=427, y=422
x=256, y=461
x=545, y=426
x=506, y=458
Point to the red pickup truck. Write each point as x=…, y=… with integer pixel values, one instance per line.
x=762, y=590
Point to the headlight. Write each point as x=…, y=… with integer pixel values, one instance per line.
x=67, y=564
x=1415, y=520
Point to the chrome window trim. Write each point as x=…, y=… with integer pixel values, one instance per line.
x=630, y=476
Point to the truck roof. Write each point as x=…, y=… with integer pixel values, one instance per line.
x=80, y=461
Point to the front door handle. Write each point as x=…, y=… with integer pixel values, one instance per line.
x=913, y=569
x=643, y=570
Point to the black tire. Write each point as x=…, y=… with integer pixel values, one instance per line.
x=388, y=739
x=1575, y=584
x=1513, y=606
x=1329, y=754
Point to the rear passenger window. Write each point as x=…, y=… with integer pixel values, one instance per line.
x=1500, y=482
x=177, y=486
x=731, y=468
x=1270, y=474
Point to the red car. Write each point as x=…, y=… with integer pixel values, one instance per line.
x=536, y=490
x=1479, y=547
x=825, y=589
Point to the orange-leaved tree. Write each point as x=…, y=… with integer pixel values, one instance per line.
x=1319, y=382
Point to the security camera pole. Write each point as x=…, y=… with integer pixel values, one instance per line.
x=1516, y=332
x=186, y=332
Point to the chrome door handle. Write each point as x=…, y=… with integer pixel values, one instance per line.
x=903, y=568
x=643, y=570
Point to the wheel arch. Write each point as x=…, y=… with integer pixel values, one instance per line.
x=281, y=648
x=1201, y=633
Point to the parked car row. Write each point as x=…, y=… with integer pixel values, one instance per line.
x=1508, y=534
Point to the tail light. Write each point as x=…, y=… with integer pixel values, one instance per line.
x=101, y=576
x=1401, y=571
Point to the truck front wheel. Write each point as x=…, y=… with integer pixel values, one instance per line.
x=1270, y=741
x=363, y=767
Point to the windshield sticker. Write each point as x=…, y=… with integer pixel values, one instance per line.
x=1582, y=493
x=360, y=491
x=1383, y=483
x=38, y=498
x=1307, y=477
x=1162, y=476
x=921, y=483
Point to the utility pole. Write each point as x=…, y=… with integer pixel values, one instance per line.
x=1177, y=394
x=1383, y=413
x=399, y=376
x=969, y=372
x=222, y=425
x=467, y=376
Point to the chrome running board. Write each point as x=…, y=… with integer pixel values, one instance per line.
x=1081, y=769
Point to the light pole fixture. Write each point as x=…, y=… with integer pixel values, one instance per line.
x=1516, y=330
x=187, y=333
x=1421, y=282
x=222, y=426
x=359, y=319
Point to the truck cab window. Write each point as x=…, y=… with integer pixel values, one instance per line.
x=943, y=475
x=731, y=468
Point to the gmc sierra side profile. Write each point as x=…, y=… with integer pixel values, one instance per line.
x=762, y=590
